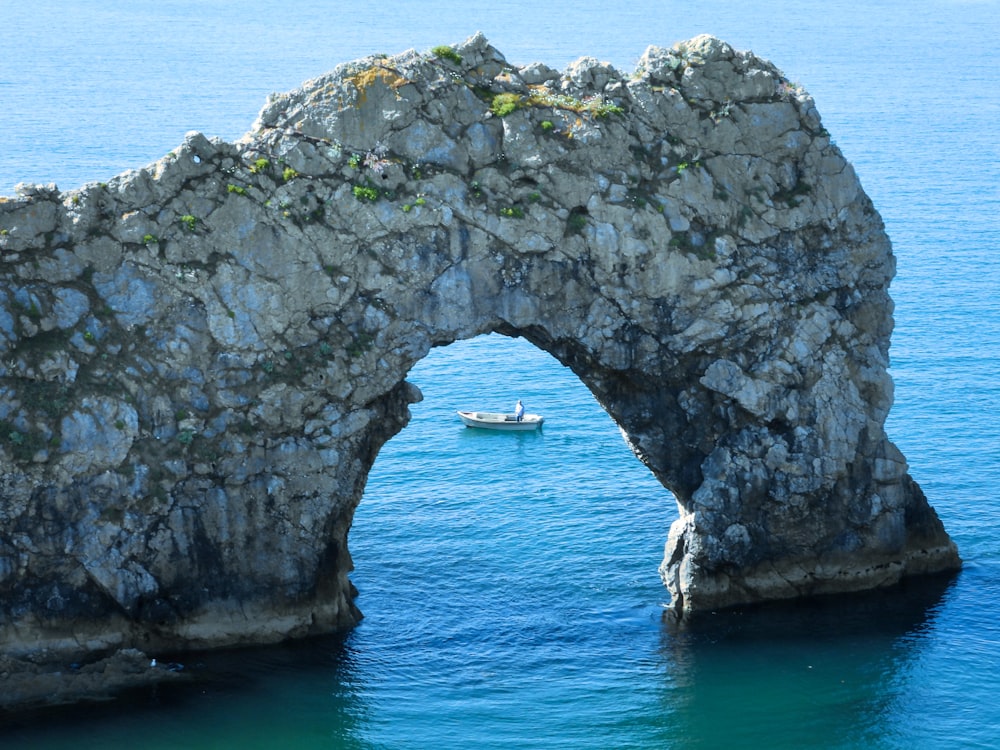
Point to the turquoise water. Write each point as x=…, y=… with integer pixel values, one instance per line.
x=509, y=581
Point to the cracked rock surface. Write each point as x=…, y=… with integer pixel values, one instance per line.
x=200, y=359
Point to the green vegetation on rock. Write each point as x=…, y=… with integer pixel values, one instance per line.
x=446, y=52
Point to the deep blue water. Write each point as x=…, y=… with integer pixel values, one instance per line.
x=509, y=581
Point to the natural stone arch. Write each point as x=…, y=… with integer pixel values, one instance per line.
x=202, y=358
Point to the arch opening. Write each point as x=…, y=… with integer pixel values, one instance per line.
x=506, y=521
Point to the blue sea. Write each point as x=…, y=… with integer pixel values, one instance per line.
x=509, y=581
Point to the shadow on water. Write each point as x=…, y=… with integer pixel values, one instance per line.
x=895, y=610
x=303, y=691
x=493, y=440
x=821, y=672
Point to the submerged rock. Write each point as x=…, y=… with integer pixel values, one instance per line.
x=200, y=359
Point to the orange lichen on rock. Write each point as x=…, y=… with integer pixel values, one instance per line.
x=366, y=78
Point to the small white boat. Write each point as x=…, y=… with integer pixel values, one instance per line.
x=490, y=420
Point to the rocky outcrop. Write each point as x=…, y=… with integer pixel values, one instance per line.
x=28, y=683
x=200, y=359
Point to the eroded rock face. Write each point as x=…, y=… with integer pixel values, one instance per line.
x=200, y=359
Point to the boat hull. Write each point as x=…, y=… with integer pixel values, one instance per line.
x=488, y=420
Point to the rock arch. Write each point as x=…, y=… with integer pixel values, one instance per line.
x=202, y=358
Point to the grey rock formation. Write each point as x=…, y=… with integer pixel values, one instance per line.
x=200, y=359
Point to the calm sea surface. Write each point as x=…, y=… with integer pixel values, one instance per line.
x=509, y=581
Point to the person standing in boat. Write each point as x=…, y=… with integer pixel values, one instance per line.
x=519, y=411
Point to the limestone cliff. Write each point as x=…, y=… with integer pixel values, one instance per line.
x=200, y=359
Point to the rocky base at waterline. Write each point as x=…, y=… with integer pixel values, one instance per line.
x=201, y=359
x=35, y=683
